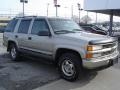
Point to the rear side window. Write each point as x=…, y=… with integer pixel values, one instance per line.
x=11, y=25
x=24, y=26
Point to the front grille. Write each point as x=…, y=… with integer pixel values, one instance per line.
x=110, y=45
x=108, y=52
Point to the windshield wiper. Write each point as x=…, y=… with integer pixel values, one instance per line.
x=77, y=30
x=64, y=31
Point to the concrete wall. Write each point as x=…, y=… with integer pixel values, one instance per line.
x=101, y=4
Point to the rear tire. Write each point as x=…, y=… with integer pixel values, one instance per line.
x=70, y=66
x=14, y=54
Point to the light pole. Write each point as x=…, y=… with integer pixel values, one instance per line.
x=111, y=23
x=79, y=8
x=65, y=10
x=96, y=17
x=87, y=18
x=47, y=8
x=72, y=11
x=56, y=5
x=57, y=9
x=23, y=1
x=10, y=12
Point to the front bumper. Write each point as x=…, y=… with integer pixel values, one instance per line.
x=101, y=61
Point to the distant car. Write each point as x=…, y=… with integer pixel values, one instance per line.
x=93, y=29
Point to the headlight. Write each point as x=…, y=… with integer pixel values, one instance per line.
x=93, y=47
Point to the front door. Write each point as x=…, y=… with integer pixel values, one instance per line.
x=40, y=41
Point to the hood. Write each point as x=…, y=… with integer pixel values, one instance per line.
x=90, y=37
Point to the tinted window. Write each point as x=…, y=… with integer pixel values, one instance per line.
x=97, y=28
x=39, y=25
x=88, y=28
x=11, y=26
x=24, y=26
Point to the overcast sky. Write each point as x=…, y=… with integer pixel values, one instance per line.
x=39, y=7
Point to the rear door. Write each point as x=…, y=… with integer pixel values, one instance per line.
x=22, y=33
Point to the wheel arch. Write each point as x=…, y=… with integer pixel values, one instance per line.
x=61, y=51
x=9, y=43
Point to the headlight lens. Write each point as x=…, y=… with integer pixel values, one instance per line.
x=93, y=47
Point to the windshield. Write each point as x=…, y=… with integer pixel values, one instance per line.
x=97, y=28
x=64, y=26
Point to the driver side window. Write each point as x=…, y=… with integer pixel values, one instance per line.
x=39, y=26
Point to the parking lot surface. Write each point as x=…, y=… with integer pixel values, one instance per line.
x=107, y=79
x=25, y=74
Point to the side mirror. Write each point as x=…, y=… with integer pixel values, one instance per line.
x=44, y=33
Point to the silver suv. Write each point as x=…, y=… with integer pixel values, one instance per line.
x=62, y=41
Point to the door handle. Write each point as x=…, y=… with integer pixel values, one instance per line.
x=16, y=36
x=29, y=38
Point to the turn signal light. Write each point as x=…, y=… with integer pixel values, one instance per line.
x=89, y=55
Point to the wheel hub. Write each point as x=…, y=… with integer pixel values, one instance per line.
x=13, y=53
x=68, y=68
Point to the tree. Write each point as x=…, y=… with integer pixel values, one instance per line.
x=86, y=19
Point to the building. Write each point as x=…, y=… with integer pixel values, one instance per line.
x=111, y=7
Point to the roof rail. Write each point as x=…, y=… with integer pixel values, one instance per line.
x=25, y=16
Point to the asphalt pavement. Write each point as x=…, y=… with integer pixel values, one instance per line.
x=27, y=74
x=108, y=79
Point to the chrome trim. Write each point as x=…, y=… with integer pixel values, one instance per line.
x=115, y=53
x=98, y=62
x=95, y=42
x=103, y=50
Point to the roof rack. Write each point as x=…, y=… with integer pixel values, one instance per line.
x=25, y=16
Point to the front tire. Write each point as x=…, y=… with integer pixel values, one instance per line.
x=14, y=54
x=70, y=66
